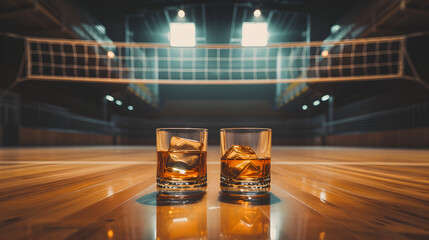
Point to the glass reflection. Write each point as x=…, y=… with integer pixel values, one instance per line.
x=182, y=221
x=244, y=221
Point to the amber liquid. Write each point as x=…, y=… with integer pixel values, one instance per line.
x=182, y=221
x=244, y=221
x=253, y=169
x=182, y=166
x=250, y=175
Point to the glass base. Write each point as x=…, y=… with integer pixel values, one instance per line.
x=181, y=188
x=259, y=187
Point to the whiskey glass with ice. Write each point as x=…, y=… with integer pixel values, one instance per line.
x=245, y=160
x=182, y=161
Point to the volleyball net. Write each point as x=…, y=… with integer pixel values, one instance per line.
x=120, y=62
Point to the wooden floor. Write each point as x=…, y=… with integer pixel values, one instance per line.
x=317, y=193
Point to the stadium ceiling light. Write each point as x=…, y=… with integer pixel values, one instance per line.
x=257, y=13
x=325, y=53
x=335, y=28
x=130, y=108
x=254, y=34
x=118, y=102
x=182, y=34
x=304, y=107
x=326, y=97
x=109, y=98
x=181, y=13
x=110, y=54
x=316, y=103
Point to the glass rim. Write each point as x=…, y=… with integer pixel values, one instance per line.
x=172, y=129
x=249, y=129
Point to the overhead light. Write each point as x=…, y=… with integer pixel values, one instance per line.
x=118, y=102
x=110, y=54
x=326, y=97
x=181, y=13
x=109, y=98
x=335, y=28
x=100, y=28
x=130, y=108
x=304, y=107
x=317, y=102
x=257, y=13
x=182, y=34
x=254, y=34
x=325, y=53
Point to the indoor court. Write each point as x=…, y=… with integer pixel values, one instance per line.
x=317, y=193
x=99, y=101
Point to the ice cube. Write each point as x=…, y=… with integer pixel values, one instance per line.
x=244, y=170
x=248, y=170
x=181, y=162
x=239, y=152
x=183, y=144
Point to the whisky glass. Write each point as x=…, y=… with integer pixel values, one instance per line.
x=181, y=161
x=245, y=160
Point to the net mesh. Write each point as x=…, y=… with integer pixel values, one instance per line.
x=76, y=60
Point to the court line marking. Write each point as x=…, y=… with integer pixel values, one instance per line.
x=215, y=163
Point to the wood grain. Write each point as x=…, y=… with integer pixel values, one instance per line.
x=317, y=193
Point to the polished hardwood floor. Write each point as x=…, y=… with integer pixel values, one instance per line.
x=317, y=193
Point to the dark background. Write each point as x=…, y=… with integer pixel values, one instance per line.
x=389, y=113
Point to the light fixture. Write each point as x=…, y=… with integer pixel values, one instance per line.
x=254, y=34
x=335, y=28
x=181, y=13
x=325, y=53
x=304, y=107
x=130, y=108
x=317, y=102
x=257, y=13
x=325, y=97
x=182, y=34
x=109, y=98
x=110, y=54
x=118, y=102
